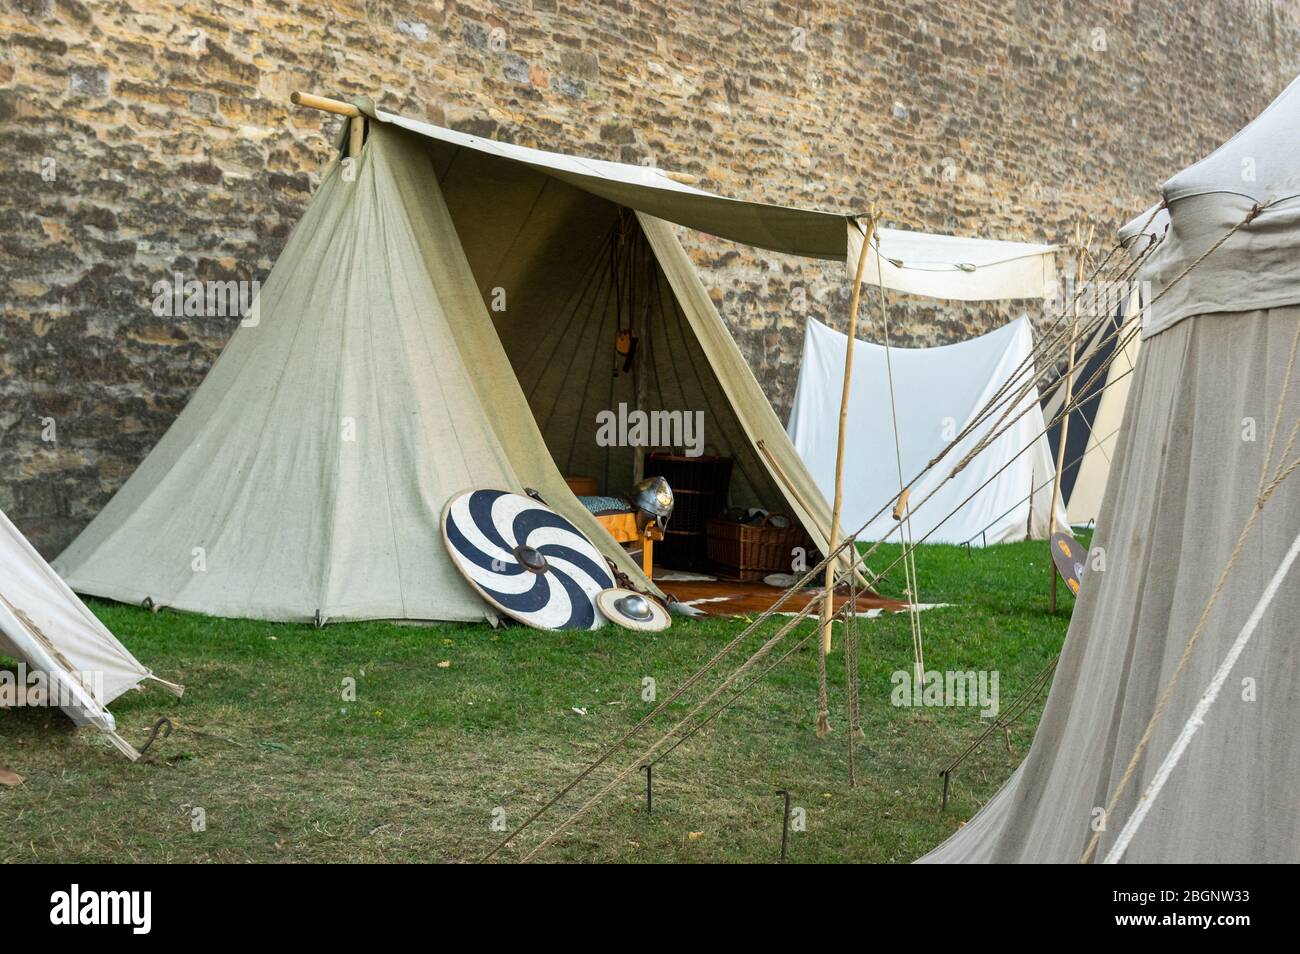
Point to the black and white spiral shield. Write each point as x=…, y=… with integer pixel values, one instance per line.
x=525, y=559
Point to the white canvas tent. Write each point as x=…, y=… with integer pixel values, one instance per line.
x=1217, y=354
x=444, y=317
x=44, y=626
x=940, y=390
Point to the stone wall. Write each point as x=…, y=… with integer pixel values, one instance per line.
x=142, y=138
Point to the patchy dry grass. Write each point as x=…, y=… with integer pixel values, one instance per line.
x=285, y=770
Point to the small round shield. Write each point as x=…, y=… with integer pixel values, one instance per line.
x=1070, y=558
x=631, y=610
x=525, y=559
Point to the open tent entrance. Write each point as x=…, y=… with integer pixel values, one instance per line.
x=602, y=347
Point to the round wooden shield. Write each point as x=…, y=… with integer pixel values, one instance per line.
x=525, y=559
x=631, y=610
x=1071, y=560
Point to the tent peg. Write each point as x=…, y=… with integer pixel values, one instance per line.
x=649, y=768
x=785, y=825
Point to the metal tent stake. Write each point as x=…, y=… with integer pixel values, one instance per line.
x=785, y=825
x=649, y=768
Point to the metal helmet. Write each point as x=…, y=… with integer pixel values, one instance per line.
x=654, y=496
x=634, y=606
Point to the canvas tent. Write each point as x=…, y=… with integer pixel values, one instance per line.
x=45, y=627
x=1102, y=434
x=1094, y=421
x=940, y=391
x=1215, y=356
x=444, y=317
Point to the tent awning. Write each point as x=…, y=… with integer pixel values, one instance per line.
x=955, y=268
x=940, y=266
x=653, y=191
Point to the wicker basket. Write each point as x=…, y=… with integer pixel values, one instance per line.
x=750, y=551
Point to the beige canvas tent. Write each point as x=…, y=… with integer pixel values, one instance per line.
x=1103, y=436
x=1102, y=381
x=445, y=317
x=1211, y=420
x=308, y=473
x=67, y=652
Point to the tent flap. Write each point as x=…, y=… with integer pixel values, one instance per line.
x=655, y=192
x=775, y=454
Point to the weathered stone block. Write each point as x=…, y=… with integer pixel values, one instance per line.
x=153, y=137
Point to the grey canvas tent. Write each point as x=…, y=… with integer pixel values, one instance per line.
x=443, y=318
x=1198, y=440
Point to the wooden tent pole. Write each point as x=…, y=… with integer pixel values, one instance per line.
x=1065, y=414
x=356, y=120
x=356, y=135
x=312, y=101
x=854, y=300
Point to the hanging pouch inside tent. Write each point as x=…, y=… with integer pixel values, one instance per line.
x=626, y=346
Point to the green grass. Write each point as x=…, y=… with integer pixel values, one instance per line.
x=285, y=770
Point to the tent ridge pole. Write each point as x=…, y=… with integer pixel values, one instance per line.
x=324, y=103
x=356, y=121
